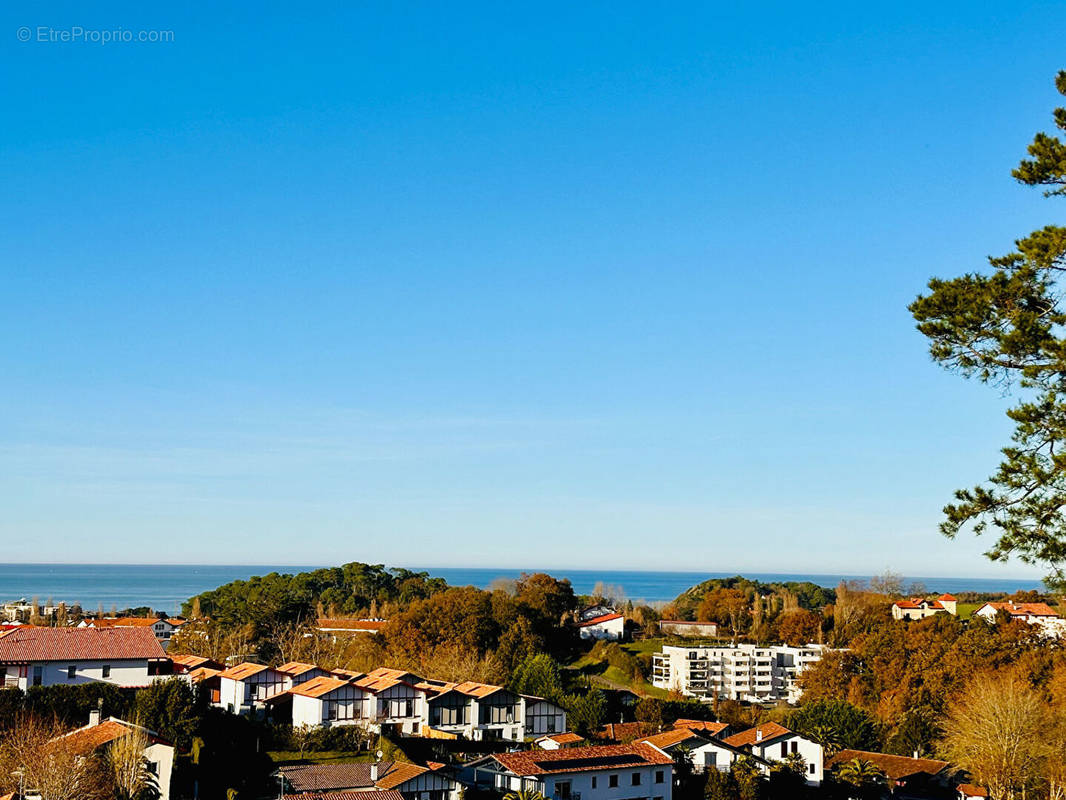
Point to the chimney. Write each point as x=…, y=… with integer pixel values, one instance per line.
x=758, y=734
x=374, y=772
x=94, y=717
x=915, y=754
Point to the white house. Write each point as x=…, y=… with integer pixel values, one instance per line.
x=164, y=629
x=129, y=657
x=559, y=741
x=158, y=752
x=245, y=688
x=541, y=717
x=773, y=742
x=920, y=608
x=396, y=704
x=329, y=701
x=1039, y=614
x=706, y=752
x=611, y=627
x=603, y=772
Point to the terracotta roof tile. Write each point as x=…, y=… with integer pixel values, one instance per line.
x=243, y=670
x=317, y=687
x=565, y=738
x=599, y=619
x=895, y=767
x=769, y=731
x=78, y=644
x=581, y=759
x=713, y=728
x=296, y=668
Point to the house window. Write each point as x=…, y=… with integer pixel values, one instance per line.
x=795, y=747
x=635, y=779
x=612, y=781
x=562, y=790
x=593, y=781
x=659, y=776
x=105, y=671
x=72, y=672
x=152, y=767
x=811, y=768
x=38, y=675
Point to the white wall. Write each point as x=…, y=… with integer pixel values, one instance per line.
x=811, y=752
x=582, y=783
x=162, y=756
x=124, y=672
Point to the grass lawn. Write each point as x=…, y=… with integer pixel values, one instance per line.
x=599, y=671
x=966, y=610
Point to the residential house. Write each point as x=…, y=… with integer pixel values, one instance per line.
x=329, y=701
x=129, y=657
x=735, y=672
x=905, y=775
x=1040, y=614
x=559, y=741
x=245, y=688
x=411, y=781
x=706, y=751
x=684, y=627
x=300, y=672
x=210, y=680
x=601, y=772
x=773, y=742
x=158, y=752
x=396, y=704
x=609, y=627
x=920, y=608
x=164, y=629
x=541, y=717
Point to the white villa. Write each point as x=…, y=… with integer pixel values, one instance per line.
x=920, y=608
x=1040, y=614
x=128, y=657
x=611, y=627
x=158, y=752
x=773, y=742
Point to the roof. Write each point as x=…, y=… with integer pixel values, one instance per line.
x=355, y=625
x=316, y=687
x=973, y=790
x=769, y=731
x=475, y=689
x=296, y=668
x=623, y=730
x=895, y=767
x=362, y=794
x=672, y=738
x=948, y=597
x=203, y=674
x=243, y=670
x=26, y=644
x=192, y=662
x=919, y=602
x=308, y=777
x=713, y=728
x=89, y=738
x=581, y=759
x=1024, y=609
x=599, y=619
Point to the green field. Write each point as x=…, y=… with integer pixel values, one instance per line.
x=598, y=672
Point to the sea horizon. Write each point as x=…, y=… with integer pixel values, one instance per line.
x=164, y=587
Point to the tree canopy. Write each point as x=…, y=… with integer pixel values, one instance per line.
x=1005, y=327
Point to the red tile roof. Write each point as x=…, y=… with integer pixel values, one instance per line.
x=78, y=644
x=1024, y=609
x=670, y=738
x=581, y=759
x=565, y=738
x=623, y=731
x=316, y=687
x=308, y=777
x=599, y=619
x=972, y=790
x=713, y=728
x=769, y=731
x=895, y=767
x=947, y=597
x=243, y=670
x=296, y=668
x=122, y=622
x=89, y=738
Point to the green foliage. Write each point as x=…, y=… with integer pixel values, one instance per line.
x=172, y=709
x=836, y=725
x=538, y=675
x=809, y=595
x=585, y=713
x=1005, y=327
x=917, y=732
x=275, y=597
x=71, y=705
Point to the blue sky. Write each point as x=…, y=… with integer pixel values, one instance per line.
x=598, y=286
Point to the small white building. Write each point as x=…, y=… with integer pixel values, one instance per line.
x=128, y=657
x=920, y=608
x=245, y=688
x=706, y=752
x=559, y=741
x=158, y=752
x=773, y=742
x=603, y=772
x=609, y=627
x=328, y=702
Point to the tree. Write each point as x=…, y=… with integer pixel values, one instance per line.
x=1006, y=327
x=726, y=607
x=129, y=768
x=170, y=708
x=799, y=627
x=986, y=728
x=36, y=755
x=835, y=724
x=864, y=777
x=538, y=675
x=524, y=794
x=585, y=712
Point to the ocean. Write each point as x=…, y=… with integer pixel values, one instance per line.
x=165, y=586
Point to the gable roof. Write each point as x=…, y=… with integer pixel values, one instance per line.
x=581, y=759
x=296, y=668
x=89, y=738
x=318, y=686
x=309, y=777
x=192, y=662
x=600, y=619
x=672, y=738
x=895, y=767
x=769, y=731
x=713, y=728
x=563, y=738
x=78, y=644
x=475, y=689
x=243, y=670
x=948, y=597
x=1023, y=609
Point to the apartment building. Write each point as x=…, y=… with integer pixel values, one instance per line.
x=737, y=672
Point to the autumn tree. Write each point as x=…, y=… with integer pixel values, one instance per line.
x=799, y=627
x=726, y=607
x=37, y=755
x=1007, y=327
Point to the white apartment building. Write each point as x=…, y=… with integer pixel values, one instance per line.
x=737, y=672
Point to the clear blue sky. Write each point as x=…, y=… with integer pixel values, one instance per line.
x=597, y=284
